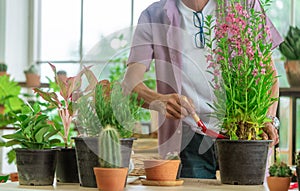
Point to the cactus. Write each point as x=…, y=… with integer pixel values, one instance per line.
x=3, y=67
x=31, y=70
x=280, y=169
x=290, y=48
x=109, y=148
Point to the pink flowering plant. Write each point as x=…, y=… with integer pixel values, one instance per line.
x=240, y=61
x=69, y=93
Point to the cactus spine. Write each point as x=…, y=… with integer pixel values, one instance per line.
x=3, y=67
x=109, y=148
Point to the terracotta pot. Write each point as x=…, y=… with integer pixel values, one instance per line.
x=161, y=170
x=3, y=73
x=32, y=80
x=2, y=108
x=292, y=69
x=14, y=177
x=110, y=179
x=278, y=183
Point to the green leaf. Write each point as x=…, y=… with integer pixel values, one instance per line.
x=39, y=136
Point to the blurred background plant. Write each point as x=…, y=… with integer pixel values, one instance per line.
x=290, y=47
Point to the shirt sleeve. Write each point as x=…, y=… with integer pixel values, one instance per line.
x=275, y=36
x=142, y=44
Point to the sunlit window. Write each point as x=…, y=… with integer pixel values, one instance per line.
x=70, y=29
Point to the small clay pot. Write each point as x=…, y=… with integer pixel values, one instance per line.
x=278, y=183
x=14, y=177
x=32, y=80
x=161, y=170
x=111, y=179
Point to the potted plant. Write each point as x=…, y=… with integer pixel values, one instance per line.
x=67, y=155
x=239, y=60
x=111, y=107
x=290, y=49
x=33, y=139
x=110, y=176
x=118, y=110
x=163, y=171
x=32, y=76
x=3, y=69
x=280, y=174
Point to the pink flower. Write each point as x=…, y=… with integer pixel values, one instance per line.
x=209, y=58
x=216, y=72
x=239, y=8
x=255, y=72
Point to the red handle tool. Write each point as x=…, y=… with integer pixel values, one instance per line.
x=204, y=129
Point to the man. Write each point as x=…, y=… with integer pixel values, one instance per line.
x=171, y=32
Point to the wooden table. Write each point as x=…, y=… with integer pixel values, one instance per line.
x=189, y=185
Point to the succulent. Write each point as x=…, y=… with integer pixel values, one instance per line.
x=3, y=67
x=31, y=70
x=290, y=48
x=172, y=156
x=109, y=148
x=280, y=169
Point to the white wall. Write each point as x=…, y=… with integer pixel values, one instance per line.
x=2, y=30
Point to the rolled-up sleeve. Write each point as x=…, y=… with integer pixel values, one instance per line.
x=142, y=44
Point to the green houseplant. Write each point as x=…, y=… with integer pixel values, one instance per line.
x=290, y=49
x=115, y=109
x=3, y=69
x=33, y=139
x=110, y=175
x=32, y=76
x=242, y=81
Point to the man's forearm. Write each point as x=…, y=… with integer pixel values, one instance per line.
x=133, y=82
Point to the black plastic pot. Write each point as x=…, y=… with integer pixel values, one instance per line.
x=36, y=167
x=87, y=158
x=242, y=162
x=66, y=167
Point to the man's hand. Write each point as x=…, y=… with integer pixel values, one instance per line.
x=173, y=105
x=270, y=133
